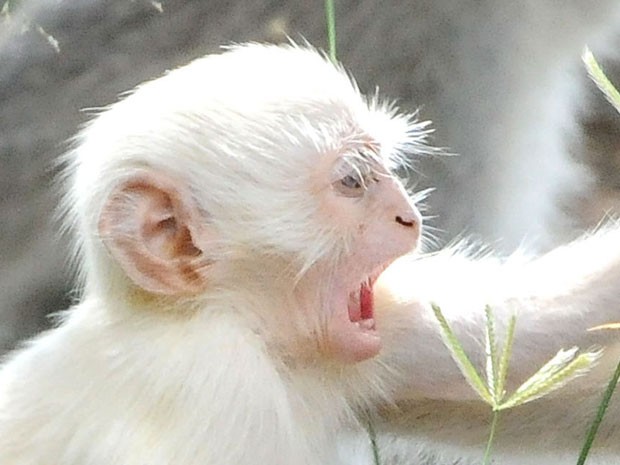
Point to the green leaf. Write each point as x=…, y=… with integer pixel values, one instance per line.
x=565, y=366
x=504, y=361
x=460, y=357
x=602, y=408
x=492, y=361
x=611, y=93
x=605, y=326
x=600, y=79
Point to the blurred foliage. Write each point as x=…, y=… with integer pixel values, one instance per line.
x=12, y=17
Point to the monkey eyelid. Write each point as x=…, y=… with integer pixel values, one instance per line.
x=353, y=176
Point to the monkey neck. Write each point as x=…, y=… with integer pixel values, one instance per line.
x=281, y=313
x=229, y=374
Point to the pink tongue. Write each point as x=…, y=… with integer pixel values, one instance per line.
x=366, y=302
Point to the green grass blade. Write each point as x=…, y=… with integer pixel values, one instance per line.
x=600, y=79
x=613, y=96
x=602, y=408
x=490, y=342
x=561, y=369
x=373, y=442
x=504, y=361
x=460, y=357
x=330, y=16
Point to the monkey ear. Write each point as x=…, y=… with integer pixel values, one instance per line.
x=157, y=233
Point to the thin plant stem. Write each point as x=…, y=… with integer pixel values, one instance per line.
x=602, y=408
x=330, y=16
x=487, y=452
x=613, y=96
x=373, y=442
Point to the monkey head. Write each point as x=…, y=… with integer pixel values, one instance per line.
x=260, y=174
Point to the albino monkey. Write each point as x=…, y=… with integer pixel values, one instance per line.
x=234, y=218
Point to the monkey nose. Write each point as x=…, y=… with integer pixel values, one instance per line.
x=406, y=223
x=411, y=219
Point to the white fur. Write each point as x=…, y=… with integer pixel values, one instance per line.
x=220, y=123
x=125, y=381
x=128, y=378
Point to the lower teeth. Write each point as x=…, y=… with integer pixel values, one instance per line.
x=367, y=324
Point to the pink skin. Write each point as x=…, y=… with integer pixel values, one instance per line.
x=352, y=333
x=385, y=225
x=153, y=229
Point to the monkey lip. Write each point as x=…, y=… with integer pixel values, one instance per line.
x=361, y=305
x=353, y=333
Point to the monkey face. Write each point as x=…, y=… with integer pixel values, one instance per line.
x=377, y=223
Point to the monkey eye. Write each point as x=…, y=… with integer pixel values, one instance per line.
x=352, y=181
x=352, y=185
x=353, y=177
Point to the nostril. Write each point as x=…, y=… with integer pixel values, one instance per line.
x=408, y=224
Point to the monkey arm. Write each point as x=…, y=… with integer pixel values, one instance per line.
x=556, y=298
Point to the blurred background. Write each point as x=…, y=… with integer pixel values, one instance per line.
x=470, y=66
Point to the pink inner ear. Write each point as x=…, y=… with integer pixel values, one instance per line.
x=147, y=225
x=161, y=231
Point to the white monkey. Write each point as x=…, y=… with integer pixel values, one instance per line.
x=234, y=218
x=500, y=78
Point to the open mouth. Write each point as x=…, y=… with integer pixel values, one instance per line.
x=361, y=305
x=353, y=333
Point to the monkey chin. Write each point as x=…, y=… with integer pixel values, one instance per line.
x=353, y=335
